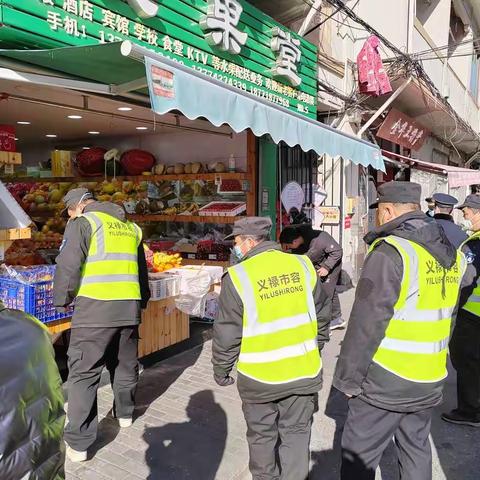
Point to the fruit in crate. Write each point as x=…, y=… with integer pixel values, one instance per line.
x=161, y=261
x=230, y=186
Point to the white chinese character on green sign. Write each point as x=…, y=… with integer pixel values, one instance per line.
x=71, y=6
x=144, y=8
x=220, y=24
x=288, y=55
x=86, y=10
x=55, y=20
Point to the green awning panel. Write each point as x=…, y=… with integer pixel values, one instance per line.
x=98, y=63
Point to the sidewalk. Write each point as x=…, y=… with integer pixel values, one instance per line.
x=189, y=428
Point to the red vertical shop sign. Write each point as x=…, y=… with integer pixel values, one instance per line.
x=7, y=138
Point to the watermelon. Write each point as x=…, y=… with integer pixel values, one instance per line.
x=90, y=163
x=134, y=162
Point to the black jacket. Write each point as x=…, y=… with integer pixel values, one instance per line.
x=376, y=295
x=453, y=232
x=323, y=250
x=73, y=253
x=472, y=255
x=227, y=339
x=31, y=405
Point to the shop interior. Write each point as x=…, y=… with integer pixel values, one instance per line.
x=184, y=182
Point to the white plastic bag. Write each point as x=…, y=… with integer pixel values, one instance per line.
x=193, y=293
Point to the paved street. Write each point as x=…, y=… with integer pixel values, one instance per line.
x=189, y=428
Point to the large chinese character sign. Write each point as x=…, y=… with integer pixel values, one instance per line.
x=287, y=50
x=221, y=22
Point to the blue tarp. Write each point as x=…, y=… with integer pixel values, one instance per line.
x=175, y=87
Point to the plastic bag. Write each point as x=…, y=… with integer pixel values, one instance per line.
x=192, y=298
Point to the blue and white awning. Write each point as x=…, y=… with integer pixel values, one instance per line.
x=174, y=87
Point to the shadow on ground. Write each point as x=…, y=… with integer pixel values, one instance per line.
x=327, y=463
x=153, y=383
x=179, y=451
x=455, y=445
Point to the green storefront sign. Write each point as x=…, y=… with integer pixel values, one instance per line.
x=229, y=40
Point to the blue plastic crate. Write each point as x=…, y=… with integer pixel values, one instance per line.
x=36, y=299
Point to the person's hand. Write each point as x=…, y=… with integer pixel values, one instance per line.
x=323, y=272
x=224, y=381
x=61, y=309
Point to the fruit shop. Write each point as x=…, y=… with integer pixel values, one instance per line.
x=174, y=111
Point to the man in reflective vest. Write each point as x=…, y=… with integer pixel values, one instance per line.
x=102, y=267
x=465, y=343
x=273, y=320
x=392, y=363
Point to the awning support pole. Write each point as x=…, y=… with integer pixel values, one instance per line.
x=129, y=86
x=317, y=5
x=397, y=93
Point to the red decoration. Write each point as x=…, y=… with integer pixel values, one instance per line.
x=135, y=162
x=91, y=162
x=7, y=139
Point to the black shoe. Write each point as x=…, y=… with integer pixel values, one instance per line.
x=460, y=419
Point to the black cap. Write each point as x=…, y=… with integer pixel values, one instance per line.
x=398, y=192
x=251, y=226
x=444, y=200
x=472, y=201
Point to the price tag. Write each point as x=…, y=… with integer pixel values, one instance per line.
x=212, y=257
x=9, y=169
x=191, y=256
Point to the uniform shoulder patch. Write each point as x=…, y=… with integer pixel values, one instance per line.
x=470, y=257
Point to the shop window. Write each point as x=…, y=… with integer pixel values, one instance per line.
x=298, y=166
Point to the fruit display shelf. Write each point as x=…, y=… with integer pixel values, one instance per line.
x=184, y=176
x=182, y=218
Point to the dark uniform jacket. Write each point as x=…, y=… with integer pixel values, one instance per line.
x=73, y=253
x=227, y=340
x=471, y=251
x=31, y=405
x=323, y=250
x=453, y=232
x=377, y=292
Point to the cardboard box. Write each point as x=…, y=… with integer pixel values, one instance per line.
x=10, y=158
x=62, y=163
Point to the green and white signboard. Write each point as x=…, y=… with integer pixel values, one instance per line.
x=229, y=40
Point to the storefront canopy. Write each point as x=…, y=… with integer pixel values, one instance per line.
x=456, y=176
x=119, y=68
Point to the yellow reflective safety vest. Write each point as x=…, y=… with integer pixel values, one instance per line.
x=279, y=342
x=473, y=303
x=110, y=271
x=416, y=340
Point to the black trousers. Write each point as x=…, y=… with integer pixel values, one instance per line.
x=90, y=350
x=278, y=437
x=336, y=308
x=369, y=430
x=465, y=356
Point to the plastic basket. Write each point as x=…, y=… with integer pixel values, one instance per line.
x=35, y=299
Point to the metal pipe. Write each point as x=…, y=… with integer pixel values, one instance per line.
x=397, y=93
x=316, y=7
